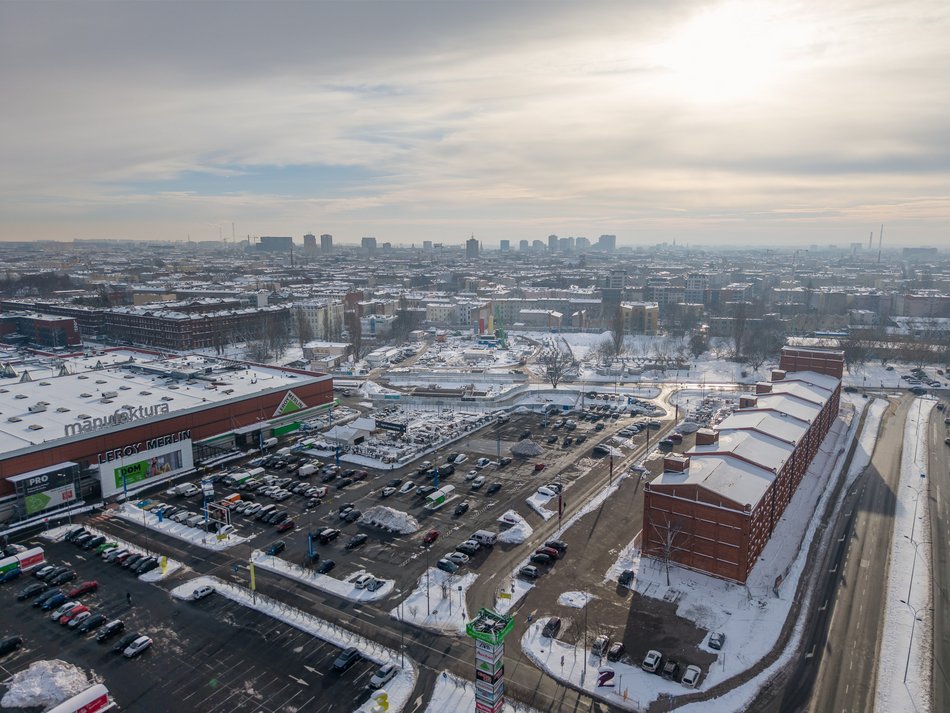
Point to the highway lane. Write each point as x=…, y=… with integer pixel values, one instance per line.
x=939, y=501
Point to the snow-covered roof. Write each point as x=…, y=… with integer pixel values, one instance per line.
x=790, y=404
x=732, y=478
x=777, y=425
x=760, y=448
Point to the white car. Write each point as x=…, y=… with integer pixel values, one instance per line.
x=691, y=676
x=252, y=508
x=407, y=487
x=461, y=458
x=482, y=463
x=384, y=674
x=387, y=491
x=201, y=593
x=545, y=490
x=78, y=619
x=137, y=647
x=458, y=558
x=471, y=475
x=652, y=661
x=478, y=482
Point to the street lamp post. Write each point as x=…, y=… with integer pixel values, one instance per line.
x=428, y=608
x=913, y=523
x=913, y=626
x=916, y=545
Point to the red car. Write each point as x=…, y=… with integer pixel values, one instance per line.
x=549, y=551
x=286, y=525
x=83, y=588
x=538, y=466
x=430, y=537
x=360, y=475
x=64, y=619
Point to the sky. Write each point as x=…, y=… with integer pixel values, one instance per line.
x=772, y=123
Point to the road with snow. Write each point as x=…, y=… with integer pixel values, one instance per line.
x=939, y=524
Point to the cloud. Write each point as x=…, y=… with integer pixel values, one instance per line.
x=405, y=118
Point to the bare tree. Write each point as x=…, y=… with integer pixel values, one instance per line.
x=698, y=344
x=304, y=328
x=739, y=315
x=617, y=330
x=557, y=363
x=856, y=349
x=669, y=538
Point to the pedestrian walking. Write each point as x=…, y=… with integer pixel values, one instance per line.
x=128, y=598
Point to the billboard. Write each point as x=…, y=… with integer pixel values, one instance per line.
x=160, y=463
x=47, y=488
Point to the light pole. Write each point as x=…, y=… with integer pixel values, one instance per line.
x=913, y=626
x=913, y=523
x=428, y=609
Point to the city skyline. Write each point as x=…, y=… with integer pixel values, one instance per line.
x=706, y=123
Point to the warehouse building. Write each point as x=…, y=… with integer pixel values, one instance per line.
x=714, y=508
x=122, y=419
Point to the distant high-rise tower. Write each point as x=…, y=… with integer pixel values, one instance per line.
x=581, y=244
x=607, y=243
x=471, y=247
x=326, y=243
x=552, y=243
x=504, y=246
x=309, y=243
x=427, y=246
x=369, y=245
x=523, y=245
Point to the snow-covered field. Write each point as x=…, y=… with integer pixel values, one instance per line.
x=519, y=531
x=191, y=535
x=398, y=689
x=171, y=566
x=577, y=600
x=445, y=610
x=323, y=582
x=904, y=672
x=46, y=684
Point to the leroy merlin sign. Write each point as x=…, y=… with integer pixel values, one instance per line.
x=290, y=403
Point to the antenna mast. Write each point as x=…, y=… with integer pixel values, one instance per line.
x=880, y=240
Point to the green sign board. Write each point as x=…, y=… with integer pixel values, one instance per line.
x=131, y=473
x=140, y=470
x=490, y=627
x=281, y=430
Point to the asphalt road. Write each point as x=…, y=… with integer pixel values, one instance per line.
x=939, y=502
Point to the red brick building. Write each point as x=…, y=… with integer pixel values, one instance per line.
x=714, y=508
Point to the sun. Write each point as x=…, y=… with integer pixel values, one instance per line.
x=729, y=52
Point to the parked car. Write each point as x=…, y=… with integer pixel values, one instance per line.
x=43, y=571
x=131, y=560
x=31, y=590
x=48, y=594
x=276, y=548
x=10, y=644
x=347, y=658
x=600, y=645
x=63, y=577
x=407, y=488
x=469, y=547
x=461, y=508
x=541, y=559
x=430, y=537
x=551, y=627
x=447, y=566
x=83, y=588
x=652, y=661
x=57, y=599
x=201, y=593
x=150, y=564
x=375, y=584
x=109, y=630
x=353, y=515
x=627, y=578
x=10, y=575
x=717, y=640
x=691, y=676
x=504, y=461
x=538, y=467
x=493, y=488
x=458, y=558
x=547, y=491
x=558, y=545
x=615, y=651
x=478, y=482
x=529, y=572
x=137, y=647
x=80, y=619
x=286, y=525
x=549, y=551
x=123, y=643
x=94, y=542
x=326, y=566
x=384, y=674
x=356, y=541
x=671, y=669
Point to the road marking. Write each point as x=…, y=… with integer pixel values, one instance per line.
x=811, y=653
x=865, y=563
x=823, y=606
x=299, y=680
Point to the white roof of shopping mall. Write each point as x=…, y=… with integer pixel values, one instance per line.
x=37, y=411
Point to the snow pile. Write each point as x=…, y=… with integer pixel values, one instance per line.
x=519, y=531
x=442, y=609
x=537, y=503
x=526, y=449
x=171, y=566
x=45, y=683
x=904, y=681
x=323, y=582
x=399, y=689
x=192, y=535
x=688, y=427
x=389, y=519
x=577, y=600
x=452, y=694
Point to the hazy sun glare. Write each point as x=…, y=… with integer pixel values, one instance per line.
x=729, y=52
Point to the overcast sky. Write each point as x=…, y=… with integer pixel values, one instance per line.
x=704, y=122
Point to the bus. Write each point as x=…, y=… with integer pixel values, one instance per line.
x=437, y=499
x=26, y=560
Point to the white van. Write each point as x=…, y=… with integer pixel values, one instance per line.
x=256, y=472
x=484, y=537
x=306, y=470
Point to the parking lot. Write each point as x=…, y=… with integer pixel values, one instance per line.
x=212, y=655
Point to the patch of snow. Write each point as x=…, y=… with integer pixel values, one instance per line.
x=443, y=609
x=577, y=600
x=537, y=501
x=390, y=519
x=192, y=535
x=398, y=690
x=47, y=684
x=519, y=531
x=323, y=582
x=452, y=694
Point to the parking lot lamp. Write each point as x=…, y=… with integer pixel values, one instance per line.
x=428, y=609
x=913, y=626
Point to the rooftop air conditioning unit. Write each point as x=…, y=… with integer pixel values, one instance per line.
x=36, y=408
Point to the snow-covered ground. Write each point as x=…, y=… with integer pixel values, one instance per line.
x=452, y=695
x=191, y=535
x=537, y=502
x=519, y=531
x=904, y=672
x=446, y=610
x=398, y=689
x=577, y=600
x=390, y=519
x=46, y=684
x=323, y=582
x=159, y=573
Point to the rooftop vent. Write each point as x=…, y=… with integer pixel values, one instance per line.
x=14, y=419
x=86, y=396
x=82, y=376
x=62, y=409
x=35, y=427
x=21, y=396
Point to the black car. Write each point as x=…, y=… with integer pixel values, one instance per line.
x=10, y=644
x=446, y=470
x=49, y=594
x=149, y=565
x=552, y=627
x=74, y=533
x=671, y=669
x=558, y=545
x=627, y=577
x=94, y=542
x=131, y=560
x=539, y=558
x=615, y=651
x=425, y=490
x=347, y=658
x=110, y=630
x=356, y=541
x=461, y=508
x=53, y=573
x=123, y=643
x=278, y=517
x=353, y=516
x=326, y=566
x=276, y=548
x=493, y=488
x=31, y=590
x=63, y=577
x=343, y=483
x=80, y=540
x=394, y=483
x=93, y=622
x=504, y=461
